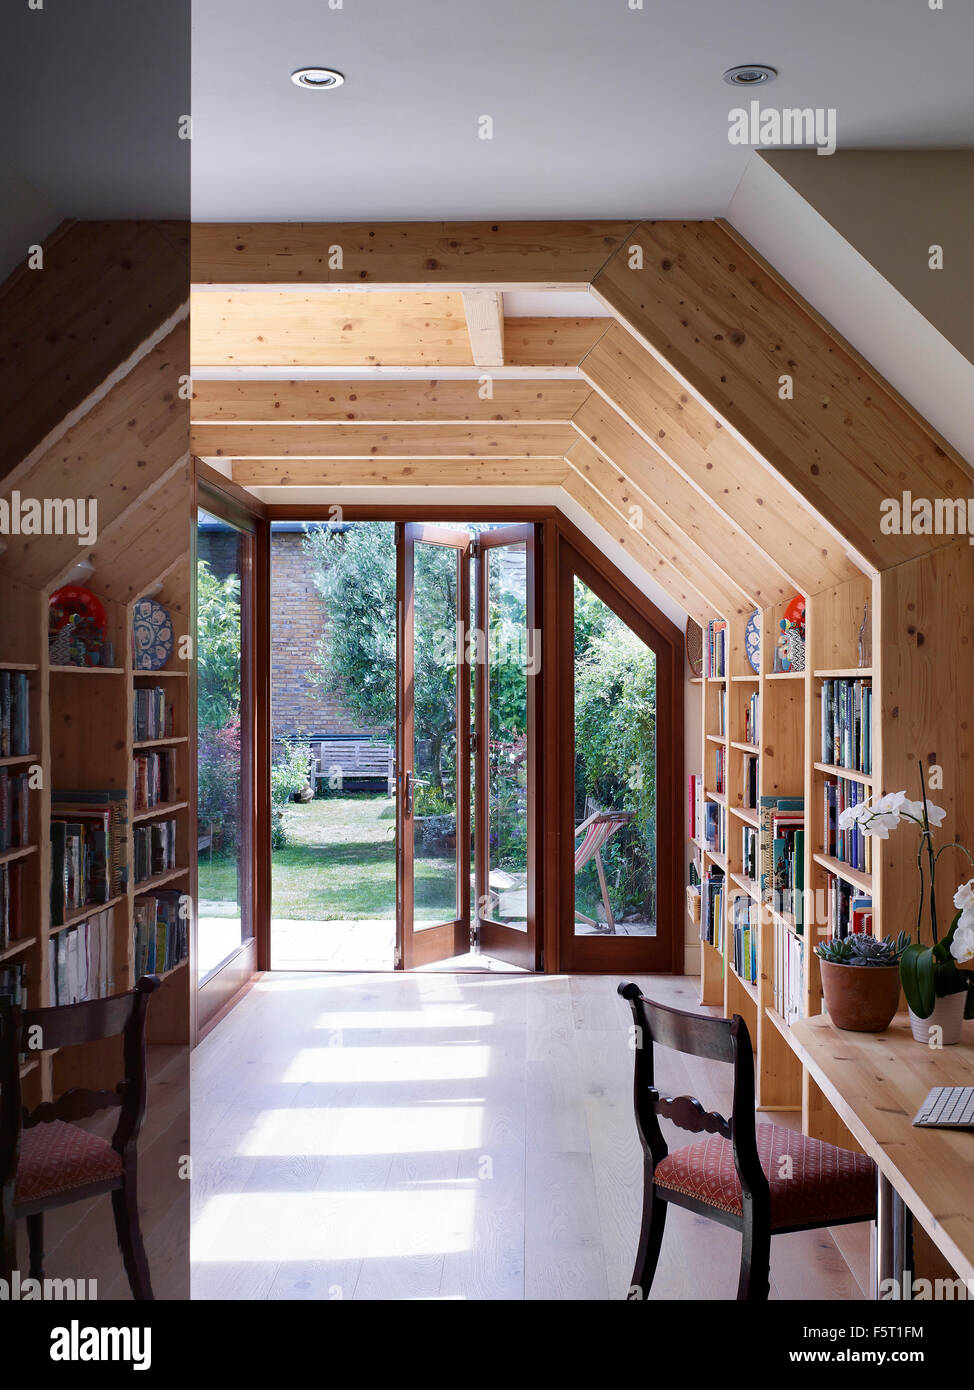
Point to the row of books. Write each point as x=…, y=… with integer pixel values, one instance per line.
x=752, y=723
x=788, y=987
x=695, y=807
x=712, y=907
x=745, y=928
x=153, y=849
x=153, y=716
x=720, y=769
x=13, y=984
x=749, y=852
x=714, y=829
x=847, y=707
x=10, y=901
x=154, y=778
x=88, y=849
x=715, y=653
x=14, y=714
x=848, y=909
x=851, y=846
x=721, y=729
x=161, y=935
x=749, y=782
x=81, y=960
x=14, y=809
x=782, y=848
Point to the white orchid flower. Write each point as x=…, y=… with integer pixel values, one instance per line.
x=914, y=809
x=962, y=946
x=964, y=897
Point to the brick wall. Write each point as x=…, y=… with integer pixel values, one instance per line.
x=298, y=622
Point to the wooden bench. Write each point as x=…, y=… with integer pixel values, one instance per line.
x=352, y=759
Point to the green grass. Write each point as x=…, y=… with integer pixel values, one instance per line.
x=339, y=863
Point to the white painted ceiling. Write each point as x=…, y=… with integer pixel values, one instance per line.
x=598, y=108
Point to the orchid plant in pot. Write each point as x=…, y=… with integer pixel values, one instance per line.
x=937, y=978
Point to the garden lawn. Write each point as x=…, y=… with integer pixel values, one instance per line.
x=339, y=863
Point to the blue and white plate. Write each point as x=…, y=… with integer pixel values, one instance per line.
x=152, y=636
x=752, y=641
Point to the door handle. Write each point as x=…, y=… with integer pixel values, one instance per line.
x=411, y=781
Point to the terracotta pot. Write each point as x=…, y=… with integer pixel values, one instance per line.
x=860, y=998
x=948, y=1015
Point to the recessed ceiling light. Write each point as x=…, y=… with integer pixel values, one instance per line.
x=319, y=79
x=750, y=75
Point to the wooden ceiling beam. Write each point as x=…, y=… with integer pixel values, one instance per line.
x=427, y=440
x=406, y=255
x=378, y=402
x=455, y=473
x=484, y=310
x=743, y=563
x=670, y=580
x=695, y=443
x=791, y=391
x=429, y=329
x=641, y=514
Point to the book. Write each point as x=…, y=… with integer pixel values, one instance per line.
x=14, y=714
x=80, y=960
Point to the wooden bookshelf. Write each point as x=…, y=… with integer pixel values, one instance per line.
x=81, y=735
x=919, y=620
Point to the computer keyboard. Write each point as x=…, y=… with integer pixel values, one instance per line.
x=947, y=1107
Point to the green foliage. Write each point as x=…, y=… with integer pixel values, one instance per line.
x=928, y=973
x=289, y=773
x=218, y=647
x=861, y=949
x=615, y=748
x=354, y=572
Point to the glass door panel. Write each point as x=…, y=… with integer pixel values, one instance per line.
x=225, y=764
x=507, y=653
x=434, y=749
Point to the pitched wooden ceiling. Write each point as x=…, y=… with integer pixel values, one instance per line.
x=666, y=421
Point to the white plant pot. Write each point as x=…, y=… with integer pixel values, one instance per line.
x=948, y=1016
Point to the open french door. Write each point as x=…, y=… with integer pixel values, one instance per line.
x=440, y=657
x=507, y=654
x=433, y=762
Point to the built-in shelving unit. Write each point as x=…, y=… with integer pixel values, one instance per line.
x=81, y=727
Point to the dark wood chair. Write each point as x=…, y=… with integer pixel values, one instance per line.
x=47, y=1160
x=761, y=1180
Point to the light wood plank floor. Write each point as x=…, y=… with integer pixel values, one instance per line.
x=430, y=1136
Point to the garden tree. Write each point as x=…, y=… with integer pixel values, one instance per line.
x=354, y=571
x=218, y=647
x=615, y=741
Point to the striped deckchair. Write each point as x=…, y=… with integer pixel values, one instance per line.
x=598, y=828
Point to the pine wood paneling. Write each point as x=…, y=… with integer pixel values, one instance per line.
x=708, y=309
x=747, y=566
x=398, y=472
x=695, y=443
x=415, y=255
x=104, y=290
x=378, y=402
x=520, y=440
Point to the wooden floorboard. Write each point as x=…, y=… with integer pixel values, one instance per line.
x=433, y=1136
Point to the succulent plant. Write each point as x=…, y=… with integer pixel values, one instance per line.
x=862, y=949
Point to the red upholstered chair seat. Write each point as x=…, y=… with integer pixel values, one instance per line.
x=826, y=1183
x=57, y=1157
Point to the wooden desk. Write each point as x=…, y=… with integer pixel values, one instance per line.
x=877, y=1083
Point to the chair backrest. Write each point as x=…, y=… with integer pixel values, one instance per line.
x=70, y=1025
x=598, y=829
x=717, y=1040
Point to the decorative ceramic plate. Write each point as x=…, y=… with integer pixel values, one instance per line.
x=152, y=638
x=752, y=641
